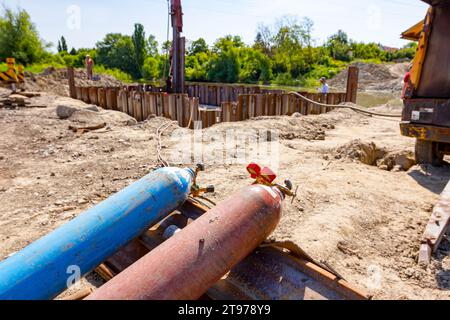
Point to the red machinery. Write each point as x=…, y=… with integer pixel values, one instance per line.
x=175, y=81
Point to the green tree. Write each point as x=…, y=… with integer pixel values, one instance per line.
x=152, y=46
x=151, y=68
x=116, y=51
x=198, y=46
x=197, y=66
x=139, y=47
x=64, y=44
x=264, y=39
x=255, y=66
x=339, y=46
x=224, y=65
x=19, y=38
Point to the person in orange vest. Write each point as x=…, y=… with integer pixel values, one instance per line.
x=89, y=67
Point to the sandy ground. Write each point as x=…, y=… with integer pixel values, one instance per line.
x=363, y=221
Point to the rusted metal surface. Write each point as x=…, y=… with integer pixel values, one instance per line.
x=437, y=227
x=424, y=132
x=435, y=77
x=437, y=2
x=352, y=84
x=427, y=111
x=298, y=271
x=71, y=79
x=188, y=264
x=271, y=274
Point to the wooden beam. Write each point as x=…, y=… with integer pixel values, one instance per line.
x=71, y=78
x=352, y=84
x=437, y=227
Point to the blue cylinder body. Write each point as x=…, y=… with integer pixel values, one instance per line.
x=41, y=270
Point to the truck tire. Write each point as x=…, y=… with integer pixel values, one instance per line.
x=427, y=153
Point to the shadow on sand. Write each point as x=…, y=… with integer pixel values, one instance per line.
x=432, y=178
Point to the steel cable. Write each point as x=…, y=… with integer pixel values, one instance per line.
x=344, y=106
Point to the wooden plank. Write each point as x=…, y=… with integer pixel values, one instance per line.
x=179, y=106
x=85, y=94
x=123, y=101
x=93, y=95
x=315, y=97
x=152, y=105
x=285, y=104
x=311, y=106
x=111, y=99
x=226, y=111
x=211, y=118
x=437, y=227
x=186, y=110
x=137, y=106
x=130, y=99
x=79, y=95
x=278, y=105
x=194, y=106
x=71, y=78
x=240, y=111
x=166, y=106
x=330, y=100
x=272, y=105
x=352, y=84
x=146, y=106
x=172, y=106
x=102, y=98
x=297, y=104
x=159, y=105
x=323, y=99
x=303, y=107
x=204, y=118
x=259, y=104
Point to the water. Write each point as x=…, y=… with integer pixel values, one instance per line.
x=371, y=99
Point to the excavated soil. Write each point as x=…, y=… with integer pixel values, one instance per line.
x=363, y=221
x=375, y=77
x=55, y=81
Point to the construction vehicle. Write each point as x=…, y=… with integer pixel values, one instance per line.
x=426, y=112
x=12, y=77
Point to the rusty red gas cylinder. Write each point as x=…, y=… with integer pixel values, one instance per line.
x=194, y=259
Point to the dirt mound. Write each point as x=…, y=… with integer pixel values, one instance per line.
x=54, y=81
x=368, y=153
x=288, y=128
x=374, y=77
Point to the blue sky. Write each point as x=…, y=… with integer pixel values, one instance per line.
x=379, y=21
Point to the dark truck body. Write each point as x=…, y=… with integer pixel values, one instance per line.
x=426, y=113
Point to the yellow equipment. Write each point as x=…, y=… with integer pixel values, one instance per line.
x=426, y=112
x=11, y=75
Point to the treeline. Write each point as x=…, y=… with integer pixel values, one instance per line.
x=284, y=54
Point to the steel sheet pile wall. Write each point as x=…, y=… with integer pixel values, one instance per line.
x=234, y=103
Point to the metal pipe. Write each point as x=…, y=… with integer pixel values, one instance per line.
x=40, y=271
x=185, y=266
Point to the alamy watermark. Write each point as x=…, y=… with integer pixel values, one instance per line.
x=74, y=17
x=229, y=147
x=74, y=278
